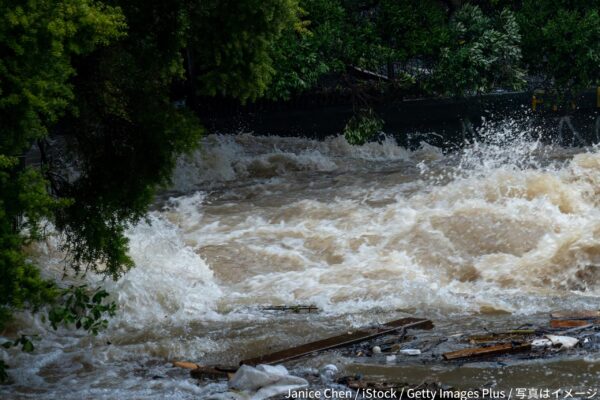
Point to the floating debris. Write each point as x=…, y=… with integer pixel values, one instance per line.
x=185, y=364
x=488, y=351
x=411, y=352
x=340, y=341
x=578, y=328
x=297, y=309
x=541, y=343
x=433, y=344
x=568, y=323
x=264, y=381
x=594, y=314
x=386, y=342
x=519, y=335
x=564, y=342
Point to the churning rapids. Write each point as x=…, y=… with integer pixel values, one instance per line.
x=506, y=226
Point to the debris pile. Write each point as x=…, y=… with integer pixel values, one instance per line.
x=343, y=340
x=389, y=343
x=566, y=330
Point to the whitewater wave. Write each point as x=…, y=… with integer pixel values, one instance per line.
x=508, y=223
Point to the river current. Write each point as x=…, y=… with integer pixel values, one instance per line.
x=508, y=225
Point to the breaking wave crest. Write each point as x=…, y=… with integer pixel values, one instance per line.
x=224, y=158
x=507, y=223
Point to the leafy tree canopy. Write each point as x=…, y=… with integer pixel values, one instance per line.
x=98, y=76
x=561, y=42
x=482, y=53
x=38, y=40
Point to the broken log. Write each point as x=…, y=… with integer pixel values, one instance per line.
x=568, y=323
x=592, y=314
x=340, y=341
x=489, y=351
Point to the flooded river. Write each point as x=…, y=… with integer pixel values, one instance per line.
x=491, y=236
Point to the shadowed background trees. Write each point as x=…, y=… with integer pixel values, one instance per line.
x=452, y=48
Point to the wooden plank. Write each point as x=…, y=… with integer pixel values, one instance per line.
x=185, y=364
x=590, y=314
x=339, y=341
x=568, y=323
x=499, y=349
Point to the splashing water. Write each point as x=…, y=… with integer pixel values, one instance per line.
x=507, y=223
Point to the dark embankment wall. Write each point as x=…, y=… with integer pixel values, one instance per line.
x=441, y=122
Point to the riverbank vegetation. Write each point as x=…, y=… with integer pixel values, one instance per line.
x=97, y=100
x=450, y=48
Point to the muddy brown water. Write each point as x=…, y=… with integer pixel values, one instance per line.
x=490, y=237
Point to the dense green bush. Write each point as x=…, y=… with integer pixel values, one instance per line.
x=483, y=53
x=362, y=127
x=561, y=42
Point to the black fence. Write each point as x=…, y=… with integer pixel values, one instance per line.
x=442, y=122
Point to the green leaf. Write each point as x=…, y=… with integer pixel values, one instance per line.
x=28, y=347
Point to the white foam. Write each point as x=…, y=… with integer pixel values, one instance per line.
x=504, y=222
